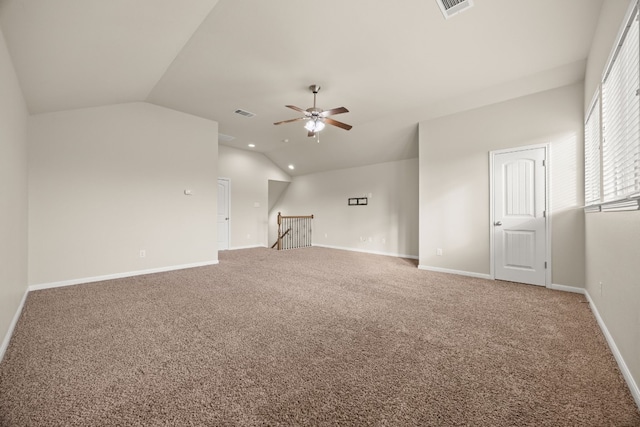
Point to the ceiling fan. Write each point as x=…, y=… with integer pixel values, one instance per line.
x=316, y=117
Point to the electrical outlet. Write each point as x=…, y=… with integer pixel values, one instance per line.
x=600, y=288
x=143, y=253
x=439, y=251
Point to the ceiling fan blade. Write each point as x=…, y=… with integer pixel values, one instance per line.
x=293, y=107
x=311, y=134
x=334, y=111
x=337, y=123
x=290, y=120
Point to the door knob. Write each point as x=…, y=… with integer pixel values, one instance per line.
x=497, y=223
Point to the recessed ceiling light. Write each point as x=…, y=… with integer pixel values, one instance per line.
x=292, y=167
x=252, y=145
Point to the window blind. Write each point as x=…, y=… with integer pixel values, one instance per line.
x=621, y=119
x=592, y=155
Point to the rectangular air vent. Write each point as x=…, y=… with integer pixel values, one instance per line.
x=225, y=138
x=453, y=7
x=245, y=113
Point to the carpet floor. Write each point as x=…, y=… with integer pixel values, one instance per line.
x=309, y=337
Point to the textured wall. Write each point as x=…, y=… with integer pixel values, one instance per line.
x=107, y=182
x=454, y=179
x=13, y=192
x=388, y=224
x=613, y=238
x=249, y=174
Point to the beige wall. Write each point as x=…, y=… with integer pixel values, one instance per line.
x=249, y=174
x=276, y=192
x=454, y=179
x=613, y=254
x=388, y=224
x=107, y=182
x=613, y=238
x=609, y=25
x=13, y=194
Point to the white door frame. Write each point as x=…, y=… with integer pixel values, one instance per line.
x=228, y=211
x=547, y=155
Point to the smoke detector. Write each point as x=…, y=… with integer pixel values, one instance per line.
x=450, y=8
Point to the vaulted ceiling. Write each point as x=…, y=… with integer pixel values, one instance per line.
x=392, y=64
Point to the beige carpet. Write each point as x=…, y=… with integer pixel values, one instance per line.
x=309, y=337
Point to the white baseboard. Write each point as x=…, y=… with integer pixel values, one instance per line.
x=236, y=248
x=458, y=272
x=565, y=288
x=624, y=369
x=12, y=325
x=117, y=276
x=367, y=252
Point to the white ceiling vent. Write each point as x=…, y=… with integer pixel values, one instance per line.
x=245, y=113
x=225, y=138
x=453, y=7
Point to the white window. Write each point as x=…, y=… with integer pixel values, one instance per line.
x=592, y=155
x=612, y=128
x=621, y=120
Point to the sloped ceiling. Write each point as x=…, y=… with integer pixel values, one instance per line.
x=392, y=64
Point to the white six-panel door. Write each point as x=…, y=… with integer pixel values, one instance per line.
x=519, y=216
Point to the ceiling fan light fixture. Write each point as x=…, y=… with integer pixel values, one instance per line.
x=314, y=125
x=315, y=118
